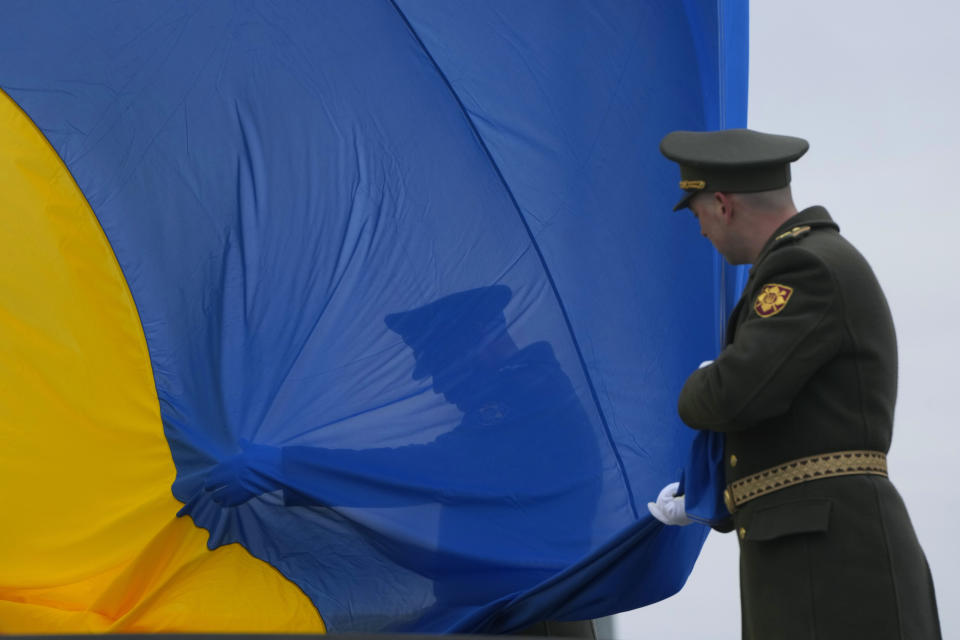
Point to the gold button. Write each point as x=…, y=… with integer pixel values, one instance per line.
x=743, y=533
x=733, y=461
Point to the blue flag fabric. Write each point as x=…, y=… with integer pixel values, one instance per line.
x=416, y=306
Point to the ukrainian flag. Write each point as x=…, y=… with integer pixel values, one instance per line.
x=364, y=315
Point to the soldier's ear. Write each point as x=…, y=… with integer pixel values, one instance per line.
x=724, y=205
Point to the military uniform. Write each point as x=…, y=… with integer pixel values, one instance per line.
x=809, y=369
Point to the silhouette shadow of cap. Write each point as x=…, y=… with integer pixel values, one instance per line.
x=445, y=331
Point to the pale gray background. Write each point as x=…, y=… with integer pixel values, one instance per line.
x=874, y=86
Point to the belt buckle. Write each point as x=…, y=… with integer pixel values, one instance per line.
x=728, y=500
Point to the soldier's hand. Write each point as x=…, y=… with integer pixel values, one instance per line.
x=669, y=508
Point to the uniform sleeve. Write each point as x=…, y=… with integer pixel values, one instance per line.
x=775, y=350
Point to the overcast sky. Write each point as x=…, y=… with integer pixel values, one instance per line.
x=874, y=87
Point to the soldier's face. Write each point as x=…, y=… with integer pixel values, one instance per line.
x=707, y=212
x=713, y=211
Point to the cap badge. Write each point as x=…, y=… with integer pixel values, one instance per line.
x=772, y=299
x=693, y=184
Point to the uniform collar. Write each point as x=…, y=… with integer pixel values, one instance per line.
x=811, y=218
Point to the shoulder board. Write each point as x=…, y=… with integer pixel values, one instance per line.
x=793, y=234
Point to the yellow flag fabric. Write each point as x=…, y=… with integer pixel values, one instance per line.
x=90, y=541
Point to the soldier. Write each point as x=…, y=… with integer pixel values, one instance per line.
x=803, y=395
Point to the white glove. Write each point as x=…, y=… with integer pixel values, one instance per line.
x=705, y=363
x=669, y=509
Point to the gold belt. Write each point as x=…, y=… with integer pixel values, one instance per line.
x=825, y=465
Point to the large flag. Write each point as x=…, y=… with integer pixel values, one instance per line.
x=363, y=315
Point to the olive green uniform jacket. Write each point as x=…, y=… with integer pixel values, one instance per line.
x=810, y=367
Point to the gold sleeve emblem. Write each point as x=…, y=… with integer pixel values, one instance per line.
x=772, y=299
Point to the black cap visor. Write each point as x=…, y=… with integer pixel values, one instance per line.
x=683, y=204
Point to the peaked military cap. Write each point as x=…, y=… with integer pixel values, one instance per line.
x=445, y=331
x=731, y=161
